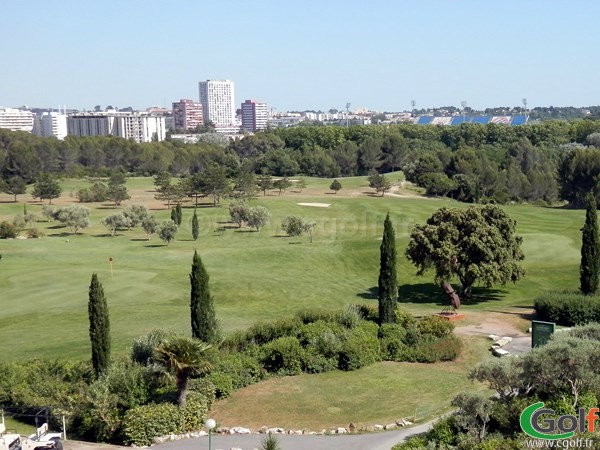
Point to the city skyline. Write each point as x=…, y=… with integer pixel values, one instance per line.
x=308, y=56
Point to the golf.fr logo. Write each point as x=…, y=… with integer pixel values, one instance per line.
x=536, y=421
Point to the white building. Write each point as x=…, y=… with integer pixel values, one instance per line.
x=254, y=115
x=16, y=119
x=50, y=124
x=137, y=126
x=217, y=99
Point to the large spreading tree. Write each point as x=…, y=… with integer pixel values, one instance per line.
x=477, y=245
x=99, y=327
x=204, y=321
x=388, y=285
x=590, y=249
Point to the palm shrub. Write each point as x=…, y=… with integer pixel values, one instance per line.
x=181, y=358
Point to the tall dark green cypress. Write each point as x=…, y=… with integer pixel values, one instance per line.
x=195, y=228
x=388, y=285
x=174, y=214
x=179, y=214
x=99, y=327
x=589, y=270
x=204, y=322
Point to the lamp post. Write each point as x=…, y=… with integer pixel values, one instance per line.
x=210, y=424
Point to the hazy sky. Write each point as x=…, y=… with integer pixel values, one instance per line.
x=302, y=54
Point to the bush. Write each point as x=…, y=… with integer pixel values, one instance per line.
x=590, y=331
x=143, y=347
x=323, y=342
x=19, y=221
x=314, y=315
x=403, y=318
x=98, y=192
x=310, y=333
x=390, y=341
x=122, y=387
x=195, y=411
x=222, y=384
x=567, y=308
x=435, y=326
x=262, y=332
x=360, y=347
x=242, y=368
x=369, y=311
x=443, y=432
x=413, y=443
x=8, y=230
x=350, y=317
x=430, y=350
x=34, y=233
x=283, y=356
x=315, y=362
x=144, y=423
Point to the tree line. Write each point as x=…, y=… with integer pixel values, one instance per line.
x=544, y=161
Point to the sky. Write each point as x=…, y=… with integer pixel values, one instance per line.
x=300, y=55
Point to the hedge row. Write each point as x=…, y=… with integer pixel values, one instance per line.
x=567, y=308
x=144, y=423
x=318, y=341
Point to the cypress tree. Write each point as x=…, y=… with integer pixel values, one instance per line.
x=204, y=322
x=99, y=327
x=590, y=249
x=179, y=214
x=388, y=286
x=174, y=214
x=195, y=228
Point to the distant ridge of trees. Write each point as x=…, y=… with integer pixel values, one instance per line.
x=544, y=161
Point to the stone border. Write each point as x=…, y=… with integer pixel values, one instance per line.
x=350, y=429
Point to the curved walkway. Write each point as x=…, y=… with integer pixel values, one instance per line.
x=384, y=440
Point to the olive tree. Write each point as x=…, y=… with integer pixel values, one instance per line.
x=167, y=231
x=115, y=222
x=75, y=217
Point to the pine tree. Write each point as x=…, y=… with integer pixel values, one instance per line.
x=99, y=327
x=195, y=228
x=204, y=322
x=589, y=270
x=179, y=214
x=388, y=286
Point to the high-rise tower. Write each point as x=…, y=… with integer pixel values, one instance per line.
x=217, y=99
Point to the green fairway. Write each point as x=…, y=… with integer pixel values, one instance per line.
x=264, y=275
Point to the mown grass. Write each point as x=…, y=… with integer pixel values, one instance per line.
x=44, y=282
x=381, y=393
x=260, y=276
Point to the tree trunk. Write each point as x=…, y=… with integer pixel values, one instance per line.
x=466, y=290
x=182, y=389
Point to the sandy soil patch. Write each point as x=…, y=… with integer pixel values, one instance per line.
x=318, y=205
x=502, y=324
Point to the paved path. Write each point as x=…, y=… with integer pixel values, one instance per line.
x=370, y=441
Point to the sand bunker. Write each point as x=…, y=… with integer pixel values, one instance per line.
x=318, y=205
